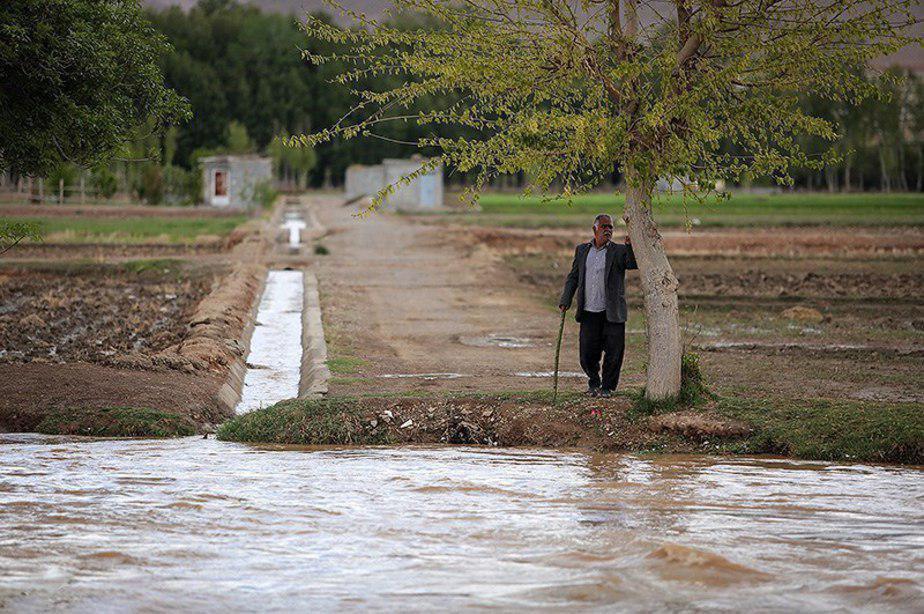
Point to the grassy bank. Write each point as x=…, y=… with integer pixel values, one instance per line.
x=830, y=430
x=741, y=210
x=116, y=422
x=811, y=429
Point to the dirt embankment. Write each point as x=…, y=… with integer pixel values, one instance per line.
x=487, y=419
x=66, y=329
x=759, y=283
x=819, y=429
x=763, y=277
x=77, y=398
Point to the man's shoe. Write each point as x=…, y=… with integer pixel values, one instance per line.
x=592, y=391
x=605, y=394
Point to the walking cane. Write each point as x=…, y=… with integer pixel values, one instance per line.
x=561, y=331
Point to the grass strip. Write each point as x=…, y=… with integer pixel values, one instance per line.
x=328, y=421
x=130, y=230
x=829, y=430
x=796, y=209
x=116, y=422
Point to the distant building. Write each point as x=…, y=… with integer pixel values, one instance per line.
x=231, y=181
x=424, y=192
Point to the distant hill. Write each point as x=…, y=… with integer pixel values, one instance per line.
x=296, y=7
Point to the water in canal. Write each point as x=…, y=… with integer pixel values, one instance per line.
x=196, y=525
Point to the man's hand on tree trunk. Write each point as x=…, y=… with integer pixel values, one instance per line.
x=625, y=218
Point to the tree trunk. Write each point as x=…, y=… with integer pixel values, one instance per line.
x=847, y=177
x=920, y=183
x=659, y=286
x=884, y=183
x=902, y=178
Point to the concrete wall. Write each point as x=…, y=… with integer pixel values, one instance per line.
x=243, y=176
x=425, y=192
x=362, y=180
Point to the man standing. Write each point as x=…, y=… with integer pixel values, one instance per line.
x=598, y=276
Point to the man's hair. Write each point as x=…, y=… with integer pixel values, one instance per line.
x=601, y=216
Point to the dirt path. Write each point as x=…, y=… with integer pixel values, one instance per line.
x=405, y=299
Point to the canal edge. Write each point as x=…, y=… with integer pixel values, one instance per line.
x=315, y=372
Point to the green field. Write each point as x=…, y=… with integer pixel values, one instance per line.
x=130, y=229
x=809, y=209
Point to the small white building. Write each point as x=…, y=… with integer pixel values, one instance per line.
x=232, y=181
x=424, y=192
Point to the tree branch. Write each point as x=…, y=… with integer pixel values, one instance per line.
x=631, y=29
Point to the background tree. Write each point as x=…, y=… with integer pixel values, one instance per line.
x=565, y=91
x=292, y=164
x=77, y=77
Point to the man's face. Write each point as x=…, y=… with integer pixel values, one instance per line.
x=603, y=230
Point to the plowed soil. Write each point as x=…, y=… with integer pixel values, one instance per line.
x=758, y=277
x=62, y=329
x=93, y=314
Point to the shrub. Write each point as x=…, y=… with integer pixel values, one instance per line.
x=103, y=181
x=151, y=184
x=181, y=187
x=265, y=194
x=66, y=172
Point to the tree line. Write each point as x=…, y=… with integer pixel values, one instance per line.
x=235, y=63
x=244, y=75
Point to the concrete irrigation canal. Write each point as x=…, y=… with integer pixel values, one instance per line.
x=275, y=359
x=287, y=352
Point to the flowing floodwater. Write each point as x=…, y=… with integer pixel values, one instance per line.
x=192, y=525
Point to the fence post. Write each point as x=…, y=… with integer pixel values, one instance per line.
x=61, y=191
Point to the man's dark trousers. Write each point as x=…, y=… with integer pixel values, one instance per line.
x=599, y=336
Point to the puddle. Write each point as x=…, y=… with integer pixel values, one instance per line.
x=805, y=330
x=426, y=376
x=500, y=341
x=701, y=331
x=274, y=361
x=549, y=374
x=812, y=347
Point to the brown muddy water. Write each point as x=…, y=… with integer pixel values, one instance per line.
x=195, y=525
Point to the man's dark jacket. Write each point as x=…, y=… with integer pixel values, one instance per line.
x=619, y=259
